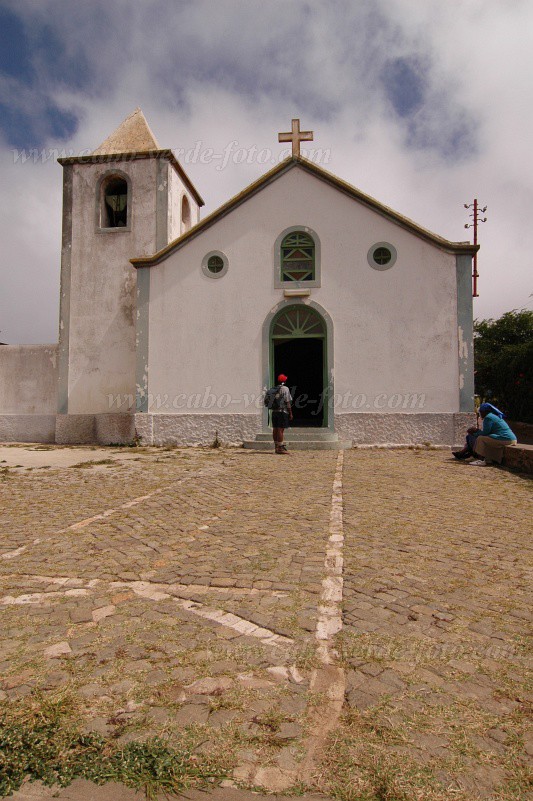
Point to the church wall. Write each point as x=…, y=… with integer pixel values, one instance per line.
x=395, y=331
x=101, y=319
x=28, y=393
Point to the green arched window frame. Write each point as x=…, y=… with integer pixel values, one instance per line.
x=297, y=258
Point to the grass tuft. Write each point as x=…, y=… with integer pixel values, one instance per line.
x=93, y=463
x=41, y=741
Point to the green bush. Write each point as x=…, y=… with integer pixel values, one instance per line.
x=503, y=355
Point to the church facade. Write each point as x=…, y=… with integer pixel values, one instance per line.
x=171, y=327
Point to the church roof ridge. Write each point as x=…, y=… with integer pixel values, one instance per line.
x=322, y=174
x=133, y=133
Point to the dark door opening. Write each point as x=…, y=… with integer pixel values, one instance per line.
x=302, y=361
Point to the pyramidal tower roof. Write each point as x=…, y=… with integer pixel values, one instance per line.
x=132, y=135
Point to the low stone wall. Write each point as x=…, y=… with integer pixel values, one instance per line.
x=523, y=431
x=519, y=457
x=28, y=379
x=28, y=393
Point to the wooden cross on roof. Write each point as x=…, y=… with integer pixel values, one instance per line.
x=296, y=136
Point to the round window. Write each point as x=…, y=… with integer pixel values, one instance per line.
x=215, y=264
x=381, y=256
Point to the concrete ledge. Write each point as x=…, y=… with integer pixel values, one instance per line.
x=519, y=457
x=27, y=427
x=144, y=428
x=403, y=429
x=461, y=422
x=75, y=429
x=362, y=429
x=201, y=429
x=114, y=429
x=232, y=429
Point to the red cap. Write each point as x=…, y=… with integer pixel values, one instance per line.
x=282, y=377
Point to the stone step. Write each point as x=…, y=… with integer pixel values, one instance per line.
x=299, y=445
x=294, y=434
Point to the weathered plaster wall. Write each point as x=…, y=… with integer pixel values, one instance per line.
x=28, y=379
x=98, y=325
x=28, y=393
x=395, y=330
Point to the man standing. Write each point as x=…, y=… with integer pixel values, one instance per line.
x=281, y=414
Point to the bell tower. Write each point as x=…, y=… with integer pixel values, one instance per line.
x=125, y=199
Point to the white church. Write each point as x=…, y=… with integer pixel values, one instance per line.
x=171, y=326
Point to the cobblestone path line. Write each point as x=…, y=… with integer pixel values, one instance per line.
x=330, y=609
x=327, y=682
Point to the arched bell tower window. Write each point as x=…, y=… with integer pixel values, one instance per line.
x=185, y=214
x=114, y=199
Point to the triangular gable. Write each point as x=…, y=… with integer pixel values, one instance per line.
x=323, y=175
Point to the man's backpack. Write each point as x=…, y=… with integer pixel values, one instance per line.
x=272, y=399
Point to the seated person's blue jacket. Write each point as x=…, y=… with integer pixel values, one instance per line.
x=495, y=427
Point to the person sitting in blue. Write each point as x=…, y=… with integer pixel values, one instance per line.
x=489, y=442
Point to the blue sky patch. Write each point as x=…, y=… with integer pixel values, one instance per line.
x=455, y=139
x=61, y=124
x=15, y=50
x=25, y=131
x=34, y=64
x=404, y=85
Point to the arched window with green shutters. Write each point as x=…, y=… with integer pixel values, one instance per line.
x=298, y=257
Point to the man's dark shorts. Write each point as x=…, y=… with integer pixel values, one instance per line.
x=280, y=419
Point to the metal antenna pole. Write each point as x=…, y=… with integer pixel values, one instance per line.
x=475, y=220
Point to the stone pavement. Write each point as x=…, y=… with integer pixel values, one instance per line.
x=378, y=596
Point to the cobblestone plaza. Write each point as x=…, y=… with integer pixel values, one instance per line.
x=328, y=613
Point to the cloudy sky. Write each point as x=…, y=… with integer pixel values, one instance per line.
x=423, y=104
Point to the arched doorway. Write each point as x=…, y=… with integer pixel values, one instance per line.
x=298, y=348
